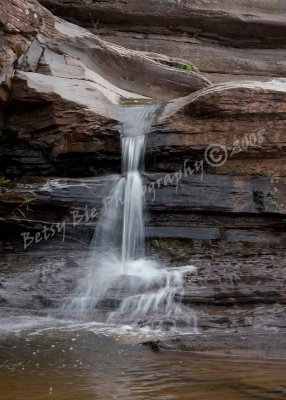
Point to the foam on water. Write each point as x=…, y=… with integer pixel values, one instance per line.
x=17, y=324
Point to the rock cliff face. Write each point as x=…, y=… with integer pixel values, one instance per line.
x=62, y=88
x=215, y=160
x=61, y=98
x=225, y=39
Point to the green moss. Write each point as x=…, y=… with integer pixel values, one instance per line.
x=136, y=102
x=184, y=67
x=4, y=181
x=9, y=133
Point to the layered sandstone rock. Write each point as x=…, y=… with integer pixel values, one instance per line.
x=237, y=20
x=61, y=87
x=61, y=98
x=227, y=40
x=215, y=160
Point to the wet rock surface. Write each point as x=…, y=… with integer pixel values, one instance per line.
x=61, y=89
x=242, y=345
x=235, y=300
x=237, y=215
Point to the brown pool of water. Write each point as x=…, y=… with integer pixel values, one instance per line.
x=85, y=365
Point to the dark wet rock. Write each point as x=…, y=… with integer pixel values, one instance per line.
x=221, y=216
x=241, y=282
x=3, y=301
x=37, y=281
x=61, y=88
x=43, y=278
x=260, y=345
x=154, y=345
x=40, y=301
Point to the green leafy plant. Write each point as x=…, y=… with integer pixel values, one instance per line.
x=184, y=67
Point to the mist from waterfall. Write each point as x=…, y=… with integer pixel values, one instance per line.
x=122, y=286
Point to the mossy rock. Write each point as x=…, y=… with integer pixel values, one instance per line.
x=4, y=181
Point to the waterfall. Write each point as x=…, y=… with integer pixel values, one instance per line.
x=121, y=225
x=133, y=218
x=122, y=286
x=136, y=123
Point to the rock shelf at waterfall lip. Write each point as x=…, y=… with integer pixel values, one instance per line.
x=137, y=117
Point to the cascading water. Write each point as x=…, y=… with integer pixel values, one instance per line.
x=133, y=217
x=123, y=287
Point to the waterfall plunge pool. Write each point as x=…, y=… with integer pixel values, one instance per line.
x=90, y=362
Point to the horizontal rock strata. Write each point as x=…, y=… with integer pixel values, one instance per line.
x=228, y=40
x=215, y=159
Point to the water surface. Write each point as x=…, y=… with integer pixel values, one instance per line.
x=93, y=363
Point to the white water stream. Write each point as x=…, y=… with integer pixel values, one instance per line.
x=122, y=286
